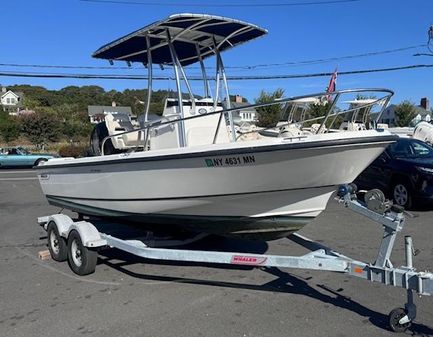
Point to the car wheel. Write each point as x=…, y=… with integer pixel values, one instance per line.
x=40, y=160
x=402, y=194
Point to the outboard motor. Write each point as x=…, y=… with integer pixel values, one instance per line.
x=97, y=136
x=424, y=131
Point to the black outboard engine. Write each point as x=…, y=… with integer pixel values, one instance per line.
x=97, y=137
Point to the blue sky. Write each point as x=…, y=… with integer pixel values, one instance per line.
x=67, y=32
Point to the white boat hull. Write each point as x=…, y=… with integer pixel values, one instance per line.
x=271, y=188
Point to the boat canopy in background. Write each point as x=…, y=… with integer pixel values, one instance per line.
x=191, y=35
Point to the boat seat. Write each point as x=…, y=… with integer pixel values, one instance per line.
x=125, y=141
x=289, y=131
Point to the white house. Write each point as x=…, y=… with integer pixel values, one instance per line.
x=10, y=101
x=97, y=112
x=245, y=114
x=422, y=113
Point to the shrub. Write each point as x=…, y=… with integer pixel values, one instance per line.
x=9, y=128
x=40, y=128
x=72, y=151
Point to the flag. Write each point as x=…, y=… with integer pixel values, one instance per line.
x=332, y=86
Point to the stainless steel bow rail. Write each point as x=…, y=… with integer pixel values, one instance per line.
x=79, y=241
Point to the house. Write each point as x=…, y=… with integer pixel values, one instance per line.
x=422, y=114
x=244, y=115
x=97, y=113
x=10, y=101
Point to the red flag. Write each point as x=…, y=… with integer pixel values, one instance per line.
x=332, y=86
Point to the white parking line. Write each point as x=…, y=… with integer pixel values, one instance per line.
x=23, y=178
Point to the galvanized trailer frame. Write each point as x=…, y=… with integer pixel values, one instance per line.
x=78, y=242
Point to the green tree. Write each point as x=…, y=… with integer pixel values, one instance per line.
x=317, y=110
x=404, y=113
x=269, y=115
x=41, y=128
x=76, y=130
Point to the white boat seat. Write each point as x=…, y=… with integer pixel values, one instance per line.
x=125, y=141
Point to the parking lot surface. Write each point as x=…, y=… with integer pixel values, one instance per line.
x=128, y=296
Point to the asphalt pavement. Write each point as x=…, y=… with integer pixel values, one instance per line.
x=129, y=296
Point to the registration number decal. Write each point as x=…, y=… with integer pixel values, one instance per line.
x=230, y=161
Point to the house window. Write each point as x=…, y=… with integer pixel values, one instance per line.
x=12, y=100
x=8, y=100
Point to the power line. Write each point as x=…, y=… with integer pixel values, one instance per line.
x=246, y=67
x=63, y=66
x=198, y=78
x=339, y=58
x=201, y=5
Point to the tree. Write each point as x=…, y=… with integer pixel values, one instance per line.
x=404, y=113
x=40, y=128
x=269, y=115
x=317, y=110
x=76, y=130
x=9, y=128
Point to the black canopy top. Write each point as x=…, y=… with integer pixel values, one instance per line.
x=187, y=31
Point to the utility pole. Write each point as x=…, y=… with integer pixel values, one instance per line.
x=429, y=43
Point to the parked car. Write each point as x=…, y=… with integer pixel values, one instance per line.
x=20, y=157
x=404, y=172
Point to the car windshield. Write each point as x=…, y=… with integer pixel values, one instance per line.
x=410, y=148
x=22, y=151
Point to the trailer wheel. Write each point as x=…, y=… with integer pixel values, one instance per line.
x=81, y=259
x=394, y=317
x=56, y=243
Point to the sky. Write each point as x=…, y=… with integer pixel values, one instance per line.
x=67, y=32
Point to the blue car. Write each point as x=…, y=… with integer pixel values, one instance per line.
x=20, y=157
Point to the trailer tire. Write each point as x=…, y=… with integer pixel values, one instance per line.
x=56, y=243
x=394, y=317
x=81, y=259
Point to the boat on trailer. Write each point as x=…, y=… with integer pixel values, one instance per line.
x=192, y=170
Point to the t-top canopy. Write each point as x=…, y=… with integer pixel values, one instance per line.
x=187, y=32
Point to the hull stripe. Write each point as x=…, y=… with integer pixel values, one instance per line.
x=48, y=196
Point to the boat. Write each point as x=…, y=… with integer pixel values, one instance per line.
x=191, y=169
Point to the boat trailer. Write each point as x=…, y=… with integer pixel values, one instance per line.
x=79, y=241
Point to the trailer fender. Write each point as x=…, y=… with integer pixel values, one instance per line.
x=62, y=221
x=89, y=234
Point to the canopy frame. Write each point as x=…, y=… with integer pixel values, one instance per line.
x=178, y=41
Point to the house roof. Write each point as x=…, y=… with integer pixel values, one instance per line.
x=11, y=92
x=418, y=111
x=421, y=111
x=241, y=105
x=101, y=109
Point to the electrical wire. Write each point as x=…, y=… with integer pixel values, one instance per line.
x=198, y=78
x=245, y=67
x=202, y=5
x=63, y=66
x=333, y=59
